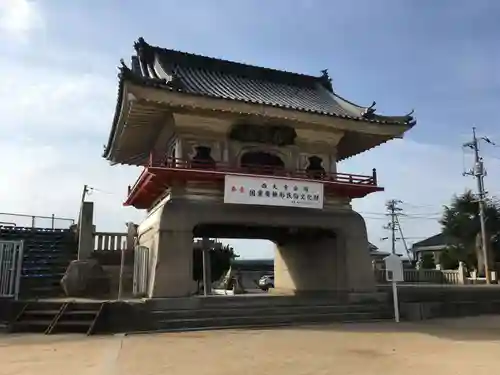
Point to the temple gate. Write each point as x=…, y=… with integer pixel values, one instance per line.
x=233, y=150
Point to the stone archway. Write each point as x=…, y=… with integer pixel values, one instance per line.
x=306, y=260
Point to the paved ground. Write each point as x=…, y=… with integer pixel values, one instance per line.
x=464, y=346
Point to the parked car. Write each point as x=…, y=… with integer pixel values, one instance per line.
x=266, y=282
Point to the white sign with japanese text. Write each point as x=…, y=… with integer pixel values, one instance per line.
x=273, y=192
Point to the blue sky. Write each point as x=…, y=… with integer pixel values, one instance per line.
x=58, y=92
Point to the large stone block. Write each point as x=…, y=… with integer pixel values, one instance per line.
x=85, y=278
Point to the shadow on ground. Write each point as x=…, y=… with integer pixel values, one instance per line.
x=39, y=338
x=478, y=328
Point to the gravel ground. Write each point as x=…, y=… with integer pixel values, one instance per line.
x=452, y=346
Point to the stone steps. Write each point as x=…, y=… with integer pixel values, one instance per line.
x=266, y=321
x=267, y=310
x=235, y=312
x=260, y=300
x=57, y=317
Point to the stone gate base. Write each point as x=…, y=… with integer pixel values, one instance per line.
x=331, y=264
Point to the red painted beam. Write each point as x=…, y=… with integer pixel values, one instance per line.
x=146, y=189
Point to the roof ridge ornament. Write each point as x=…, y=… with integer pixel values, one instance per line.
x=326, y=81
x=146, y=55
x=369, y=112
x=140, y=44
x=127, y=73
x=124, y=70
x=410, y=119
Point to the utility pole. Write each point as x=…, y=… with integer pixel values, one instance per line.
x=393, y=210
x=479, y=173
x=411, y=257
x=85, y=192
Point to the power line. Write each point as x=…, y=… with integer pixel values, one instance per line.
x=416, y=214
x=93, y=189
x=417, y=205
x=402, y=216
x=410, y=217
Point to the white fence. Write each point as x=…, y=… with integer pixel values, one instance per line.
x=110, y=241
x=11, y=262
x=425, y=276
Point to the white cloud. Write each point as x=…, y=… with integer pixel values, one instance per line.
x=54, y=122
x=34, y=96
x=53, y=128
x=40, y=178
x=19, y=17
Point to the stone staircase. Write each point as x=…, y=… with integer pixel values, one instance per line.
x=57, y=317
x=219, y=312
x=189, y=314
x=46, y=254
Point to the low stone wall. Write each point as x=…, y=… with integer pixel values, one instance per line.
x=428, y=310
x=418, y=302
x=445, y=293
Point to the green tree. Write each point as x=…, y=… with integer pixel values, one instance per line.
x=461, y=223
x=220, y=261
x=449, y=258
x=428, y=262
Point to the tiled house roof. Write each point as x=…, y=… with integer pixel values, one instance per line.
x=437, y=242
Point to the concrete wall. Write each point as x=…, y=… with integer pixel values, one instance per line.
x=418, y=302
x=309, y=267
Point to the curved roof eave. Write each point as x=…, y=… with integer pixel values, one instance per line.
x=377, y=119
x=363, y=112
x=116, y=117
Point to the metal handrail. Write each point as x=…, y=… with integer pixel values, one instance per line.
x=53, y=218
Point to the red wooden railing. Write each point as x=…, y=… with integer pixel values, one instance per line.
x=181, y=169
x=176, y=163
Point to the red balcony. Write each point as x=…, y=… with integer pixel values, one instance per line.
x=155, y=179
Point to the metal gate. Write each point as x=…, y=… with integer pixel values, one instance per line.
x=11, y=262
x=141, y=271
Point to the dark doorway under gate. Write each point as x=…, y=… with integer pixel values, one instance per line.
x=277, y=234
x=260, y=158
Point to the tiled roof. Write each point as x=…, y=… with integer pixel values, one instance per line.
x=192, y=74
x=228, y=86
x=439, y=239
x=200, y=75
